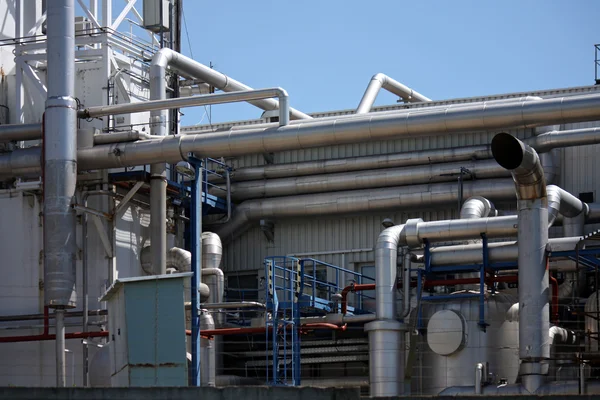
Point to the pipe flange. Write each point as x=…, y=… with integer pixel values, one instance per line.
x=411, y=232
x=61, y=102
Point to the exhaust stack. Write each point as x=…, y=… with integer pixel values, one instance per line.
x=530, y=184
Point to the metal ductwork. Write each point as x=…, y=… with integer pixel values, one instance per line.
x=497, y=252
x=207, y=353
x=60, y=172
x=186, y=66
x=477, y=207
x=550, y=159
x=379, y=81
x=443, y=172
x=330, y=166
x=564, y=203
x=355, y=201
x=574, y=285
x=370, y=127
x=528, y=174
x=177, y=258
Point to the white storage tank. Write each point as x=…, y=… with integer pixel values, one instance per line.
x=452, y=343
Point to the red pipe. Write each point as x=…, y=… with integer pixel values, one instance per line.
x=35, y=338
x=47, y=336
x=353, y=288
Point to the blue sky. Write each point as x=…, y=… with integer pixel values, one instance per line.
x=325, y=52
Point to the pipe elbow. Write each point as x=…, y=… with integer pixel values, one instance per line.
x=381, y=77
x=162, y=58
x=391, y=238
x=477, y=207
x=523, y=162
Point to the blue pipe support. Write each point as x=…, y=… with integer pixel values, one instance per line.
x=196, y=250
x=427, y=256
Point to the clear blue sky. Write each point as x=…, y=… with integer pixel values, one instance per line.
x=324, y=52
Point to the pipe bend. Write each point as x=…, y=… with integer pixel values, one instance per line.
x=477, y=207
x=523, y=162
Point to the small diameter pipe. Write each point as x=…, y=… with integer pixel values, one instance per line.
x=248, y=331
x=46, y=333
x=479, y=378
x=60, y=348
x=194, y=101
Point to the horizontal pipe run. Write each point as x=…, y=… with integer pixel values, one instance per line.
x=257, y=330
x=121, y=137
x=33, y=317
x=331, y=166
x=175, y=148
x=233, y=305
x=16, y=132
x=356, y=201
x=194, y=101
x=363, y=179
x=315, y=133
x=38, y=338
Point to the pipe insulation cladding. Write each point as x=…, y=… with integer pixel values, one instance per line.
x=60, y=158
x=532, y=241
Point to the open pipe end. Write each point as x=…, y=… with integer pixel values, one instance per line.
x=507, y=150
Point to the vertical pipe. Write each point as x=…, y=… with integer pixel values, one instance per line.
x=158, y=173
x=84, y=272
x=196, y=247
x=60, y=348
x=478, y=378
x=60, y=171
x=582, y=378
x=532, y=238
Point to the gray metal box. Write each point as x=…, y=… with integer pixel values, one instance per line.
x=147, y=331
x=156, y=15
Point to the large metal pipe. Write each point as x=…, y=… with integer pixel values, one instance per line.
x=186, y=66
x=212, y=251
x=477, y=207
x=160, y=105
x=497, y=252
x=356, y=201
x=403, y=124
x=330, y=166
x=528, y=174
x=363, y=179
x=564, y=203
x=379, y=81
x=240, y=141
x=16, y=132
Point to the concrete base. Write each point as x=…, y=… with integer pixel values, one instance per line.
x=180, y=393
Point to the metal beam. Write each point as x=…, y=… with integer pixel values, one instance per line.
x=102, y=234
x=89, y=13
x=121, y=17
x=123, y=203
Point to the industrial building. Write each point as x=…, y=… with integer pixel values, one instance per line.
x=425, y=247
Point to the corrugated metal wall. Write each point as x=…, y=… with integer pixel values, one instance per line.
x=357, y=232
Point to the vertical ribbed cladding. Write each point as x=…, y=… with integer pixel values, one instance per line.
x=534, y=321
x=60, y=158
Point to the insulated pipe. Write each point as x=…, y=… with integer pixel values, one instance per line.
x=402, y=124
x=17, y=132
x=551, y=159
x=380, y=81
x=564, y=203
x=528, y=174
x=61, y=380
x=160, y=105
x=240, y=141
x=497, y=252
x=478, y=378
x=60, y=158
x=477, y=207
x=329, y=166
x=120, y=137
x=186, y=66
x=574, y=285
x=356, y=201
x=363, y=179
